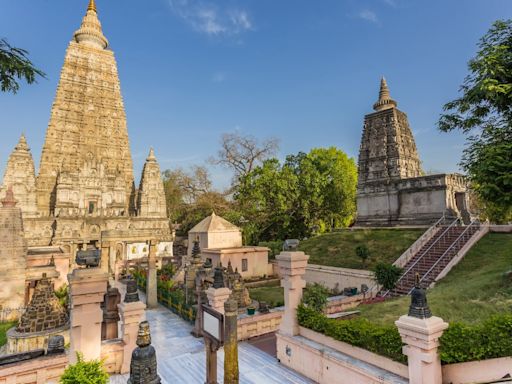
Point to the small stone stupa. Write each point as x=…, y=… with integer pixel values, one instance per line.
x=143, y=368
x=44, y=313
x=44, y=318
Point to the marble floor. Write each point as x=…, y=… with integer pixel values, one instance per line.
x=181, y=357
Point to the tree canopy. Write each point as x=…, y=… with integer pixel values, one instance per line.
x=308, y=193
x=14, y=66
x=484, y=113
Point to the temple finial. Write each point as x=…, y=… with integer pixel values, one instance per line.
x=151, y=156
x=385, y=101
x=92, y=6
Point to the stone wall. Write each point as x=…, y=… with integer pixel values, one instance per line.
x=47, y=369
x=259, y=324
x=333, y=277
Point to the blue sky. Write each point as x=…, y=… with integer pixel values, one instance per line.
x=305, y=71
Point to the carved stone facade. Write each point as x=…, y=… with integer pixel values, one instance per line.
x=20, y=175
x=13, y=255
x=392, y=189
x=85, y=185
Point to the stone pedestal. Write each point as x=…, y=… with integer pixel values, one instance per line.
x=292, y=267
x=109, y=328
x=131, y=315
x=87, y=290
x=151, y=285
x=421, y=337
x=217, y=297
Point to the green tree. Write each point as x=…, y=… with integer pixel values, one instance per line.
x=387, y=275
x=314, y=190
x=484, y=113
x=14, y=66
x=84, y=372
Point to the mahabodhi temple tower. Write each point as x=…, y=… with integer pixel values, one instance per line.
x=392, y=188
x=85, y=191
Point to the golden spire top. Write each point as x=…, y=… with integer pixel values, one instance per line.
x=92, y=6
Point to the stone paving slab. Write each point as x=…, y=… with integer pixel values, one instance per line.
x=181, y=357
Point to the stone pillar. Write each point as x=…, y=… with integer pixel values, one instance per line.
x=105, y=256
x=292, y=266
x=231, y=374
x=211, y=361
x=131, y=315
x=87, y=290
x=421, y=337
x=151, y=285
x=217, y=297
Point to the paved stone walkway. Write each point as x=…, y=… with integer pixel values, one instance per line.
x=181, y=357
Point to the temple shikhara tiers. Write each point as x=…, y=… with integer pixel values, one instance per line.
x=392, y=188
x=84, y=193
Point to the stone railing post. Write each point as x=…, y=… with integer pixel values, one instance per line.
x=87, y=290
x=217, y=297
x=231, y=371
x=420, y=331
x=292, y=267
x=151, y=283
x=131, y=314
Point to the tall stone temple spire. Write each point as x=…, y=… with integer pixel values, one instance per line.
x=20, y=175
x=86, y=142
x=85, y=191
x=151, y=195
x=388, y=150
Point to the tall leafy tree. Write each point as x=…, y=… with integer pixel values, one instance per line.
x=484, y=113
x=15, y=66
x=311, y=192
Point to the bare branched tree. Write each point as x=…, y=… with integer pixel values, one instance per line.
x=242, y=153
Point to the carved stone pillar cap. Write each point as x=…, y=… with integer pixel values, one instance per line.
x=230, y=305
x=144, y=335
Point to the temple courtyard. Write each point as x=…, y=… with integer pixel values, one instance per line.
x=181, y=357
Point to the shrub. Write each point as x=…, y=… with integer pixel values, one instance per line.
x=363, y=253
x=383, y=340
x=387, y=275
x=487, y=340
x=63, y=295
x=84, y=372
x=315, y=297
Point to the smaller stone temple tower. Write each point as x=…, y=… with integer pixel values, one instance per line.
x=392, y=188
x=21, y=176
x=13, y=255
x=151, y=195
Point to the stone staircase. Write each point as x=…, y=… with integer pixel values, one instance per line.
x=434, y=256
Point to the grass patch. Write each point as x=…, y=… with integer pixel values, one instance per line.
x=474, y=289
x=273, y=296
x=338, y=249
x=4, y=327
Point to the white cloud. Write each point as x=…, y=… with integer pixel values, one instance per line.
x=368, y=16
x=208, y=18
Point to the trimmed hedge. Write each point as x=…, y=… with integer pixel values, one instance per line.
x=460, y=343
x=383, y=340
x=488, y=340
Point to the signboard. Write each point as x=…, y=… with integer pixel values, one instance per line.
x=213, y=324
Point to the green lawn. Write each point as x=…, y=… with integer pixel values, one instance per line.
x=338, y=249
x=473, y=290
x=4, y=327
x=273, y=296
